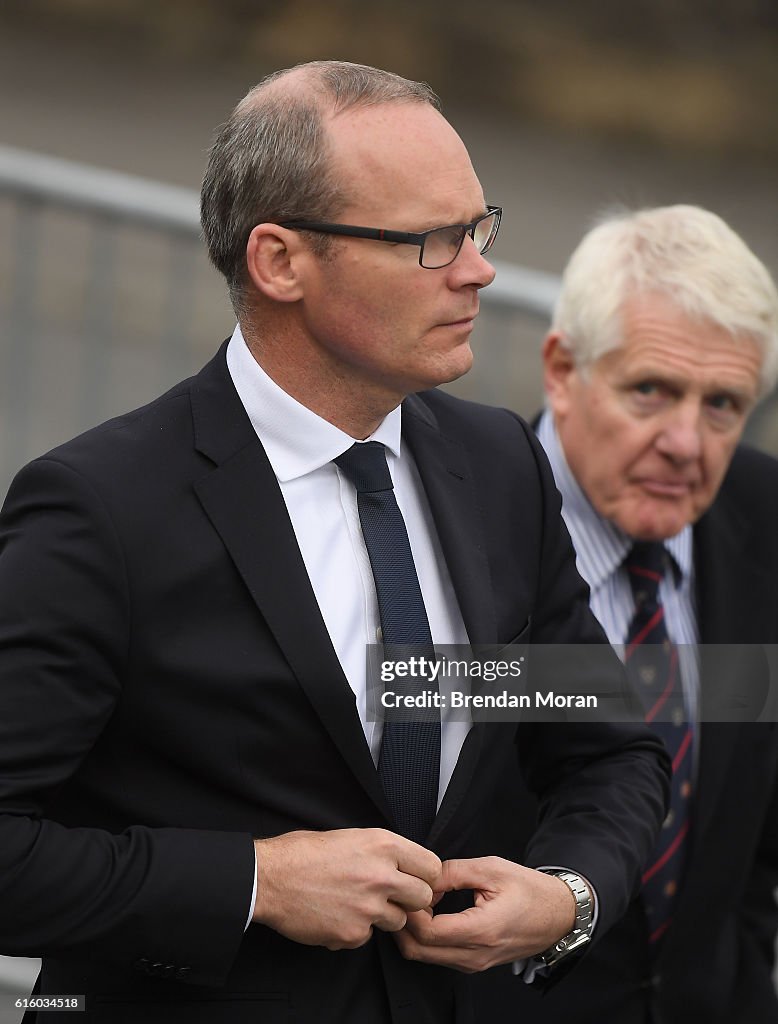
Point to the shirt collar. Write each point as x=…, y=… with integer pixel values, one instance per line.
x=599, y=544
x=297, y=441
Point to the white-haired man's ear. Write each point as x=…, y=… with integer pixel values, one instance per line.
x=559, y=372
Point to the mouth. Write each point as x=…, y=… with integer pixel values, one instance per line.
x=465, y=321
x=667, y=488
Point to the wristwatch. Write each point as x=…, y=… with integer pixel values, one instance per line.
x=582, y=926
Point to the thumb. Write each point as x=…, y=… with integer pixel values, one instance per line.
x=483, y=873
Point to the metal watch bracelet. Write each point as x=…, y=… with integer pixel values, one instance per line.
x=580, y=934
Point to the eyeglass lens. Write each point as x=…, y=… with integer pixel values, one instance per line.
x=442, y=247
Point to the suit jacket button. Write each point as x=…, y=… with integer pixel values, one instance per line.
x=656, y=982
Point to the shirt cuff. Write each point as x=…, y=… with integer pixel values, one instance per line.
x=254, y=895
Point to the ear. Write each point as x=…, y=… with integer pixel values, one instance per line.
x=559, y=372
x=272, y=258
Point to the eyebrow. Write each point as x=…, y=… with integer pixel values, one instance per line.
x=678, y=383
x=735, y=393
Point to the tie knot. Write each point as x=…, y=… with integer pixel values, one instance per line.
x=365, y=466
x=645, y=565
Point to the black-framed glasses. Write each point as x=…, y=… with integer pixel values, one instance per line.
x=437, y=247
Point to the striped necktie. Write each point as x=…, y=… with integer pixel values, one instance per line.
x=409, y=760
x=652, y=664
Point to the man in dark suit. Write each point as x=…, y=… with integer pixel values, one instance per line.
x=664, y=337
x=193, y=827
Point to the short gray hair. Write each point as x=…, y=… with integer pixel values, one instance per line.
x=684, y=252
x=270, y=161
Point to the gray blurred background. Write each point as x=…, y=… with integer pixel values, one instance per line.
x=567, y=108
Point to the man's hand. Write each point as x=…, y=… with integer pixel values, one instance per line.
x=518, y=912
x=332, y=888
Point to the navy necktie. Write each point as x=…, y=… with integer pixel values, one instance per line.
x=652, y=663
x=409, y=760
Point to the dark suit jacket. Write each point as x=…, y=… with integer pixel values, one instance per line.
x=716, y=962
x=168, y=691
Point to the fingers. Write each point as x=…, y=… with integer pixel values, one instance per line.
x=425, y=941
x=485, y=874
x=393, y=919
x=482, y=874
x=408, y=892
x=415, y=871
x=445, y=929
x=468, y=962
x=416, y=860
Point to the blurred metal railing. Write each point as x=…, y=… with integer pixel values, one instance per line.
x=106, y=298
x=100, y=275
x=93, y=190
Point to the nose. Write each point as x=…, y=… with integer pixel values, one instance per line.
x=470, y=267
x=680, y=438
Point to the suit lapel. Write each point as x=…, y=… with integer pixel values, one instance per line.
x=450, y=489
x=729, y=582
x=732, y=577
x=451, y=493
x=241, y=496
